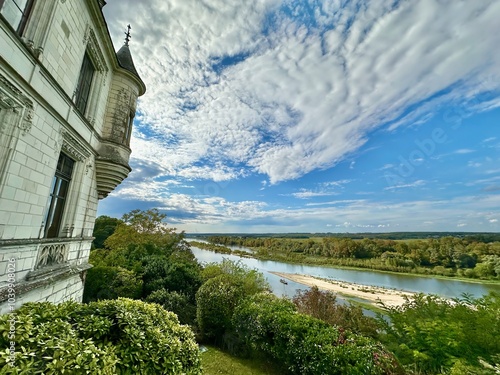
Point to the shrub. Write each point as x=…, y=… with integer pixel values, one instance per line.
x=306, y=345
x=106, y=337
x=433, y=335
x=323, y=305
x=174, y=274
x=110, y=283
x=176, y=302
x=215, y=302
x=227, y=283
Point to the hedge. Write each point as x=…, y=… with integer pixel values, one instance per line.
x=107, y=337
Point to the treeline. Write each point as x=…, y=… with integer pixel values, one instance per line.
x=473, y=236
x=447, y=256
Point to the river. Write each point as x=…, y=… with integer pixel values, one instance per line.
x=441, y=287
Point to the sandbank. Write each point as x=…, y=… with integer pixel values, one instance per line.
x=373, y=294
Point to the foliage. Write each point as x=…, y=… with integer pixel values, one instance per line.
x=211, y=247
x=176, y=302
x=306, y=345
x=103, y=228
x=107, y=337
x=464, y=256
x=226, y=284
x=104, y=282
x=215, y=302
x=143, y=256
x=174, y=274
x=251, y=279
x=145, y=227
x=433, y=335
x=323, y=305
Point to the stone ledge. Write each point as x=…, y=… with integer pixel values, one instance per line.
x=43, y=277
x=34, y=241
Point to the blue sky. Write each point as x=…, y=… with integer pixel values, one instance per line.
x=314, y=116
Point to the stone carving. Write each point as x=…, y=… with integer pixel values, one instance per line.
x=73, y=147
x=51, y=254
x=58, y=141
x=27, y=120
x=88, y=166
x=11, y=97
x=90, y=40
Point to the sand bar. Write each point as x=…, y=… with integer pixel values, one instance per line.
x=372, y=294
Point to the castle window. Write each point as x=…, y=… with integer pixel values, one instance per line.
x=16, y=12
x=84, y=83
x=58, y=195
x=128, y=128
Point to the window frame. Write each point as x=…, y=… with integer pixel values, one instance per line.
x=83, y=90
x=25, y=13
x=56, y=203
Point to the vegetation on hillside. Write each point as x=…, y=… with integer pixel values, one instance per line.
x=229, y=306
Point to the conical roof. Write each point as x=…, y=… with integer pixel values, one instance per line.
x=125, y=60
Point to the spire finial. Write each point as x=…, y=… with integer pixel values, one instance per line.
x=127, y=35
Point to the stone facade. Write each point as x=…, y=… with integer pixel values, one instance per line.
x=67, y=103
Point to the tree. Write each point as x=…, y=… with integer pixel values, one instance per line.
x=103, y=228
x=146, y=227
x=323, y=305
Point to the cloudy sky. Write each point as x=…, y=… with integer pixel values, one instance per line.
x=314, y=115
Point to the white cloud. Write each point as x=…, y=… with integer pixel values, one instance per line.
x=463, y=151
x=299, y=98
x=410, y=185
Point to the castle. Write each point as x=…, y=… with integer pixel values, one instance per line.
x=67, y=104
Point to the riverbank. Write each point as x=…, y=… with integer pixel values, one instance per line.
x=373, y=294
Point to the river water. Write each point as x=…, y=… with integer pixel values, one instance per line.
x=441, y=287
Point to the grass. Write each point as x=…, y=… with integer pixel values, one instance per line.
x=217, y=362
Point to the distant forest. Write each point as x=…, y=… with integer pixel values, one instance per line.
x=466, y=255
x=485, y=237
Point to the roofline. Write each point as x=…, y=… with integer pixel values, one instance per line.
x=96, y=11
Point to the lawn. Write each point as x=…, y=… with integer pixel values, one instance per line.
x=217, y=362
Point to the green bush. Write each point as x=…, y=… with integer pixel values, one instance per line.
x=176, y=302
x=323, y=305
x=110, y=283
x=215, y=302
x=435, y=336
x=175, y=273
x=226, y=284
x=306, y=345
x=106, y=337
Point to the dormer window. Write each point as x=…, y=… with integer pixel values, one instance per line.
x=84, y=83
x=16, y=13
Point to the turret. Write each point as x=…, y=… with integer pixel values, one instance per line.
x=112, y=162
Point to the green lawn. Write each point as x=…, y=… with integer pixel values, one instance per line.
x=217, y=362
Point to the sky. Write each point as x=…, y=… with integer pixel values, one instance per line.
x=273, y=116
